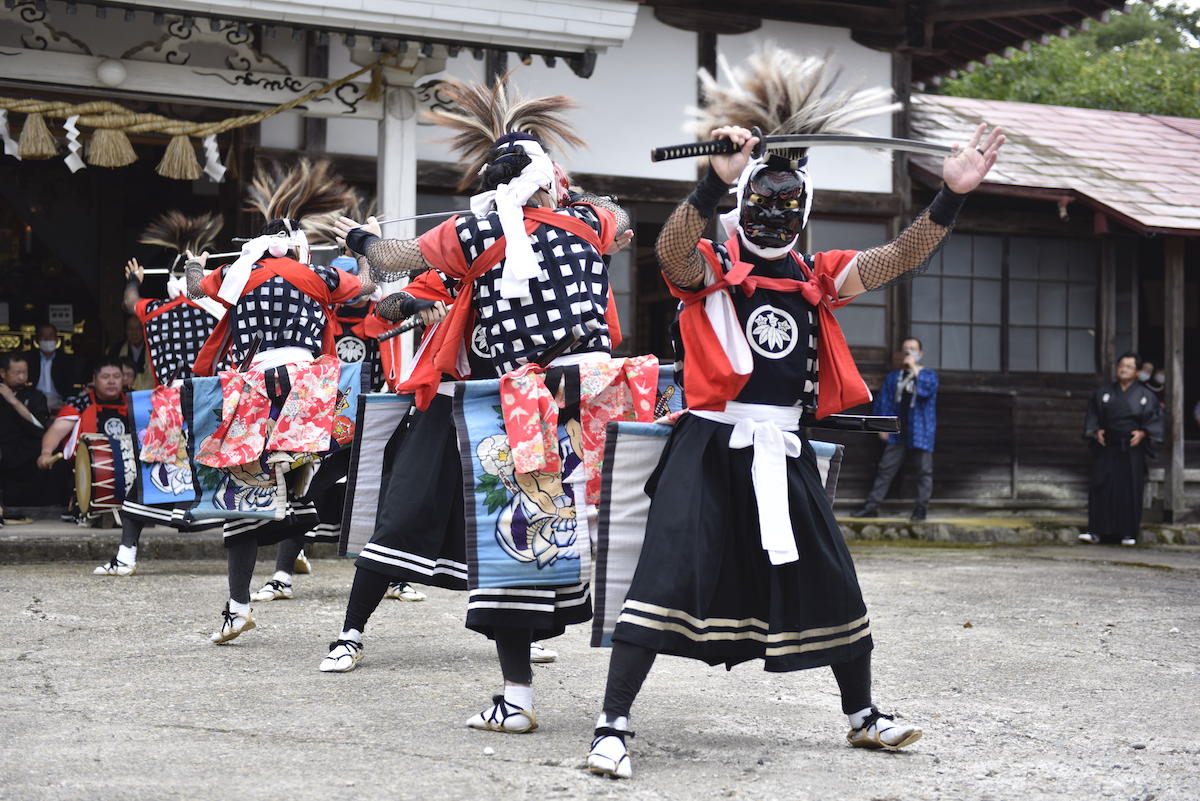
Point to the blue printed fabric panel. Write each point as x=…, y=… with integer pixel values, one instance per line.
x=159, y=483
x=522, y=530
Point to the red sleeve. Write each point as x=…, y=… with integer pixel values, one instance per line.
x=349, y=287
x=428, y=286
x=833, y=263
x=67, y=411
x=142, y=308
x=441, y=248
x=608, y=224
x=211, y=284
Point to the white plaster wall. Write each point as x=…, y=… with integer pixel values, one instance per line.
x=831, y=168
x=348, y=136
x=633, y=102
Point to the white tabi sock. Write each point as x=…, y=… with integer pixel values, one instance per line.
x=286, y=578
x=351, y=634
x=858, y=718
x=127, y=554
x=620, y=723
x=238, y=608
x=521, y=697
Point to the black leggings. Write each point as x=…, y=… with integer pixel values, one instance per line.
x=285, y=557
x=365, y=594
x=512, y=646
x=630, y=664
x=240, y=556
x=131, y=530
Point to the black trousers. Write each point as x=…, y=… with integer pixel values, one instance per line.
x=889, y=464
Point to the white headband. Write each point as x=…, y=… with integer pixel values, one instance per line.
x=275, y=244
x=520, y=264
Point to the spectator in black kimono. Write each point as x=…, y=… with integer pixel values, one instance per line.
x=1124, y=421
x=23, y=416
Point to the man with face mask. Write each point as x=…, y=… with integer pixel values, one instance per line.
x=54, y=373
x=742, y=558
x=909, y=393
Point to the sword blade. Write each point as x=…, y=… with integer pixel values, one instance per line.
x=718, y=147
x=424, y=216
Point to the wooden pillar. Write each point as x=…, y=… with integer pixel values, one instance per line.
x=1107, y=329
x=1174, y=505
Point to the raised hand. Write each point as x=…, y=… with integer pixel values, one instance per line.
x=202, y=258
x=965, y=169
x=619, y=243
x=345, y=225
x=731, y=166
x=134, y=270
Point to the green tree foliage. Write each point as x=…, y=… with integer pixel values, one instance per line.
x=1146, y=60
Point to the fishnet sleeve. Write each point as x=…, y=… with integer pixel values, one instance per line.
x=393, y=259
x=392, y=307
x=194, y=273
x=676, y=246
x=605, y=202
x=905, y=256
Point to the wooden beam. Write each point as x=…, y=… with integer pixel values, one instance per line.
x=1174, y=503
x=963, y=10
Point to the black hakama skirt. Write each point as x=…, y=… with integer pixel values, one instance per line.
x=704, y=587
x=419, y=532
x=1115, y=492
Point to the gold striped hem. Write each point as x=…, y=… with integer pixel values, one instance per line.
x=738, y=636
x=631, y=608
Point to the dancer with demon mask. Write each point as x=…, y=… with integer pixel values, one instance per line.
x=742, y=556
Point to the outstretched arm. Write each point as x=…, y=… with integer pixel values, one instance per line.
x=676, y=244
x=390, y=259
x=193, y=272
x=961, y=173
x=605, y=202
x=133, y=286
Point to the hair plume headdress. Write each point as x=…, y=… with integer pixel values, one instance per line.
x=483, y=114
x=782, y=92
x=308, y=192
x=179, y=232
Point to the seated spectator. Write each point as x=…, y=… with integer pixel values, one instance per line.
x=23, y=418
x=128, y=374
x=54, y=373
x=133, y=348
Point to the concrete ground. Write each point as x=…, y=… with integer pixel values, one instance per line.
x=1037, y=673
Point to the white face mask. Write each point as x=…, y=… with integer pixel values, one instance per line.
x=48, y=346
x=1143, y=376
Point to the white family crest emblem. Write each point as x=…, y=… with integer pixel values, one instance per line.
x=771, y=332
x=114, y=426
x=479, y=343
x=351, y=349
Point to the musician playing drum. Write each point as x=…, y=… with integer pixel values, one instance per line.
x=104, y=409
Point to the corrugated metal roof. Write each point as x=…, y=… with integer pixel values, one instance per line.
x=1142, y=169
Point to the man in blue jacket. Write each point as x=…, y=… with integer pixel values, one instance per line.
x=909, y=393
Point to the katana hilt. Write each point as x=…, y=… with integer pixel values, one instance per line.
x=715, y=147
